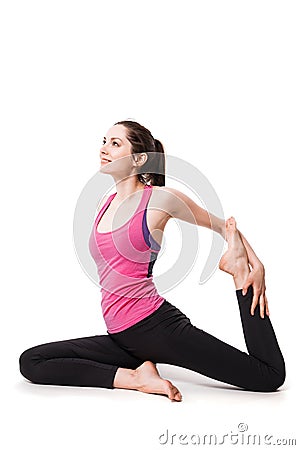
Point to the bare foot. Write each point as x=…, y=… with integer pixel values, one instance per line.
x=149, y=381
x=235, y=259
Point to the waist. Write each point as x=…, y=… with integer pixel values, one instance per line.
x=120, y=313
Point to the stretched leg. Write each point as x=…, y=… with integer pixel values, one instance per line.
x=95, y=361
x=169, y=337
x=87, y=361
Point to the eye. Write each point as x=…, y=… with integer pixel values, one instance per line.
x=114, y=142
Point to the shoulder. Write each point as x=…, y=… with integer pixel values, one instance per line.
x=167, y=192
x=169, y=198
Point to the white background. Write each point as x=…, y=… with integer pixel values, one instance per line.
x=218, y=83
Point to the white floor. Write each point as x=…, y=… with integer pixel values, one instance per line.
x=50, y=417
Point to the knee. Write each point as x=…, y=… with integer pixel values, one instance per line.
x=27, y=362
x=280, y=377
x=276, y=379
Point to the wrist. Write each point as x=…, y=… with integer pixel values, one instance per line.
x=257, y=264
x=222, y=230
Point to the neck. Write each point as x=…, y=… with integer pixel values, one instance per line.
x=128, y=186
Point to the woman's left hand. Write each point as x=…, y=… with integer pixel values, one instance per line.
x=256, y=278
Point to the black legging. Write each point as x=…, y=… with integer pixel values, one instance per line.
x=165, y=336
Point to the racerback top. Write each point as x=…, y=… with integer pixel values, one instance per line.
x=125, y=259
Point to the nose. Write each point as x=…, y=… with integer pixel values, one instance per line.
x=103, y=150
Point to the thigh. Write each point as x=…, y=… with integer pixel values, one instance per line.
x=170, y=337
x=197, y=350
x=99, y=348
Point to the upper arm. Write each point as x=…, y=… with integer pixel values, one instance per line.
x=181, y=206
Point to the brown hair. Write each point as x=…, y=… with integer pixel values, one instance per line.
x=142, y=141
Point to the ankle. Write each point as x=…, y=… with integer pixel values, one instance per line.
x=240, y=276
x=126, y=379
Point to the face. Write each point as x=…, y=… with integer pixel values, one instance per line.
x=115, y=145
x=115, y=154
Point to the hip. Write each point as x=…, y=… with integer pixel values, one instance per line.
x=166, y=318
x=156, y=334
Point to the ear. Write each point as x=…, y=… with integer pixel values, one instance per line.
x=140, y=158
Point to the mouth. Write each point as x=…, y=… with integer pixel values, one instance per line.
x=105, y=160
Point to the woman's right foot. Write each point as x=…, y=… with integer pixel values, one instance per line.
x=235, y=259
x=149, y=381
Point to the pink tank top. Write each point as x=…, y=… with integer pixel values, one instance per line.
x=125, y=259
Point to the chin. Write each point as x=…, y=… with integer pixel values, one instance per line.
x=104, y=169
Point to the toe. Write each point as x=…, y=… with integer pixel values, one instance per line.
x=178, y=396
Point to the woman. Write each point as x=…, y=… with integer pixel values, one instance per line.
x=143, y=328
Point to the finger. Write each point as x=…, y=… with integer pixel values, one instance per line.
x=254, y=304
x=262, y=306
x=245, y=288
x=256, y=294
x=267, y=306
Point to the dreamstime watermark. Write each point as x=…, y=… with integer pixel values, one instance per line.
x=239, y=437
x=177, y=169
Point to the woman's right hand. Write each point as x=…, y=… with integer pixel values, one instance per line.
x=256, y=278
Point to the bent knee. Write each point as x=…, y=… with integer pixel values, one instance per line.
x=27, y=363
x=276, y=379
x=279, y=381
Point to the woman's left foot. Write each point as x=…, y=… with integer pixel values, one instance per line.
x=149, y=381
x=235, y=259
